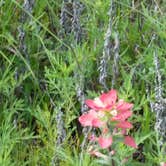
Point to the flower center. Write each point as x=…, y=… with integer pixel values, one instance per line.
x=114, y=112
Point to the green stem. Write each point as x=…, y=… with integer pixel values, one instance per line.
x=112, y=160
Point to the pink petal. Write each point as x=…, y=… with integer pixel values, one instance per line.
x=90, y=103
x=109, y=99
x=90, y=119
x=123, y=106
x=86, y=119
x=130, y=141
x=124, y=125
x=95, y=104
x=122, y=115
x=105, y=142
x=97, y=122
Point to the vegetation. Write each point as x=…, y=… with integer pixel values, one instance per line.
x=44, y=65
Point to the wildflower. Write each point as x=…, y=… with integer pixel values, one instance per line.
x=110, y=115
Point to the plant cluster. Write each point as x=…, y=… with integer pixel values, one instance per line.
x=110, y=117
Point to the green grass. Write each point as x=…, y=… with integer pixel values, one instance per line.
x=30, y=103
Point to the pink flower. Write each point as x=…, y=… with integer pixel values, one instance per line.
x=107, y=102
x=105, y=142
x=104, y=102
x=107, y=112
x=130, y=141
x=124, y=125
x=90, y=119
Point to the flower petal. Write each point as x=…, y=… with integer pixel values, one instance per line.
x=123, y=106
x=95, y=104
x=109, y=98
x=105, y=142
x=122, y=115
x=87, y=118
x=97, y=122
x=124, y=125
x=90, y=103
x=91, y=119
x=130, y=141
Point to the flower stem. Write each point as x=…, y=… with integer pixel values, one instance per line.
x=112, y=160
